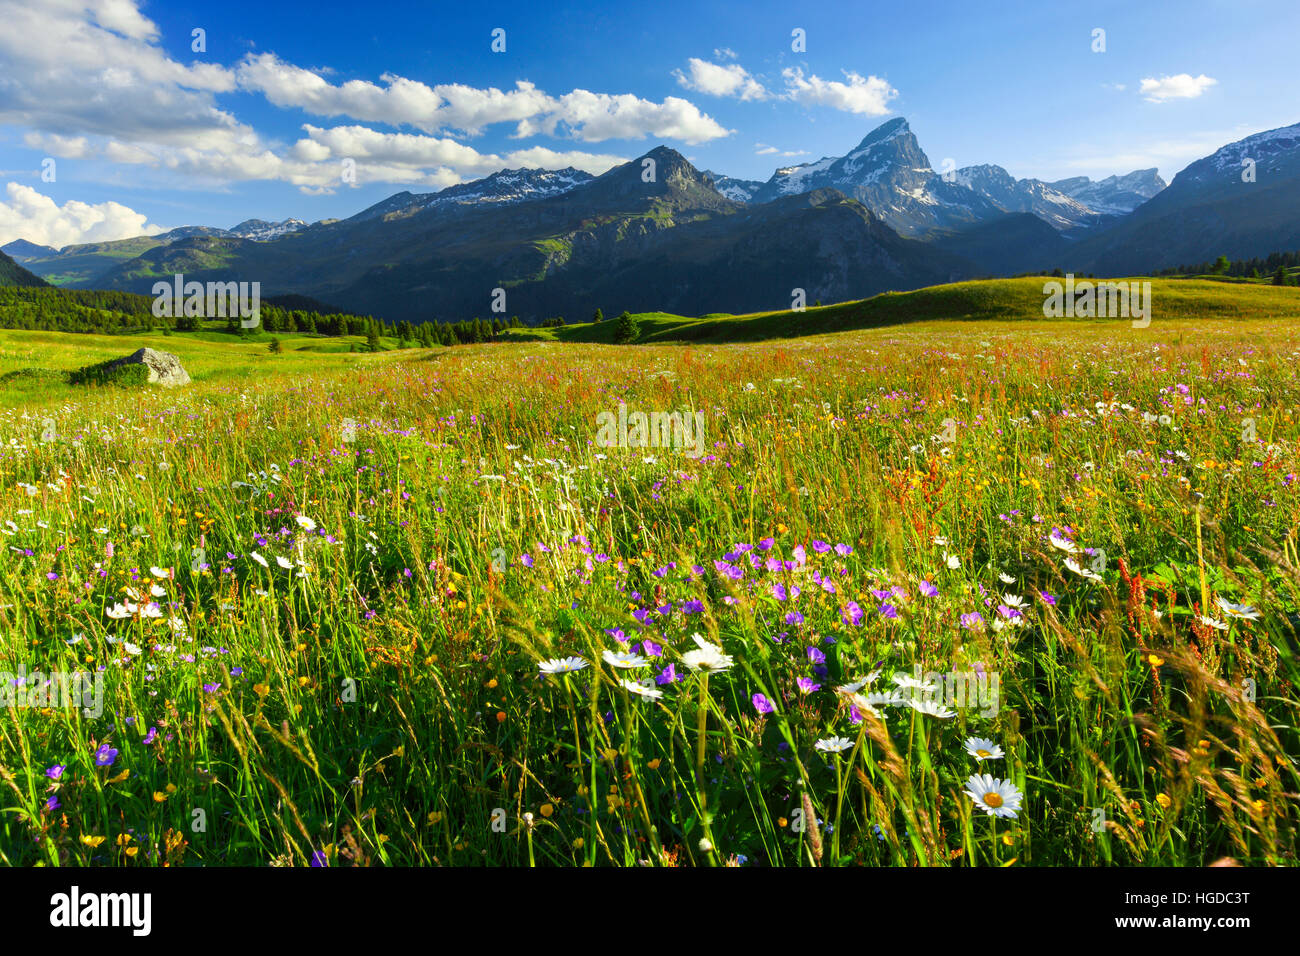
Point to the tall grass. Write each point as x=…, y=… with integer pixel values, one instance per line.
x=380, y=700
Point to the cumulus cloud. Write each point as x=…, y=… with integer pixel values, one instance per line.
x=720, y=80
x=865, y=96
x=410, y=151
x=1183, y=86
x=27, y=214
x=88, y=79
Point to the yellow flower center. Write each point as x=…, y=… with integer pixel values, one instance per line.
x=983, y=753
x=993, y=800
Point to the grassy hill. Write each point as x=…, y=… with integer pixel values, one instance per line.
x=12, y=274
x=991, y=299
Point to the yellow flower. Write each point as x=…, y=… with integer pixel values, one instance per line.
x=159, y=796
x=492, y=684
x=611, y=754
x=654, y=764
x=1163, y=800
x=261, y=690
x=120, y=777
x=546, y=809
x=91, y=841
x=123, y=839
x=1155, y=661
x=1008, y=839
x=435, y=817
x=579, y=843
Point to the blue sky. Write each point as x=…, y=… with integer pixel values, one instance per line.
x=147, y=134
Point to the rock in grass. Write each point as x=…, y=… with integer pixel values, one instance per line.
x=144, y=365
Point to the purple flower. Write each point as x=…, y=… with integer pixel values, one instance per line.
x=56, y=771
x=318, y=858
x=151, y=736
x=693, y=606
x=794, y=617
x=816, y=656
x=800, y=555
x=651, y=649
x=668, y=675
x=53, y=803
x=821, y=547
x=853, y=614
x=807, y=685
x=972, y=620
x=1047, y=598
x=928, y=589
x=105, y=756
x=888, y=610
x=210, y=688
x=843, y=550
x=763, y=705
x=766, y=544
x=526, y=560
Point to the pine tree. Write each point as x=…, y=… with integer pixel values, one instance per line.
x=627, y=329
x=275, y=346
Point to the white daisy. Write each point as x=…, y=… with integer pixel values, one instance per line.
x=931, y=708
x=995, y=797
x=1063, y=544
x=562, y=665
x=982, y=749
x=157, y=591
x=624, y=659
x=259, y=559
x=908, y=682
x=284, y=563
x=1080, y=570
x=641, y=688
x=708, y=659
x=160, y=572
x=305, y=523
x=1013, y=600
x=1006, y=578
x=952, y=561
x=1211, y=622
x=1242, y=612
x=833, y=744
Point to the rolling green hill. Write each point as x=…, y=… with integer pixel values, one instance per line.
x=988, y=300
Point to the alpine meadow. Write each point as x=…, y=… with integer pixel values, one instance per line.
x=508, y=488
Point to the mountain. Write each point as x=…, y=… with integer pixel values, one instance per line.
x=259, y=230
x=890, y=175
x=20, y=250
x=737, y=190
x=625, y=239
x=503, y=188
x=1210, y=210
x=1028, y=195
x=1114, y=195
x=11, y=273
x=1010, y=244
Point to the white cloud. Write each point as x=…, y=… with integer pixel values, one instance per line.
x=865, y=96
x=724, y=53
x=762, y=149
x=717, y=80
x=88, y=79
x=37, y=218
x=1184, y=86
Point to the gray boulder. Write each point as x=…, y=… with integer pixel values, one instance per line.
x=164, y=368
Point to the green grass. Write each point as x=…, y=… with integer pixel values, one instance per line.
x=379, y=701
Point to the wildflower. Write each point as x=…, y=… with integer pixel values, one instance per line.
x=1080, y=570
x=982, y=749
x=105, y=756
x=56, y=771
x=259, y=559
x=807, y=686
x=1240, y=612
x=1057, y=540
x=928, y=589
x=562, y=665
x=307, y=524
x=995, y=797
x=641, y=688
x=1163, y=800
x=1211, y=622
x=833, y=744
x=624, y=659
x=762, y=704
x=931, y=708
x=707, y=659
x=952, y=561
